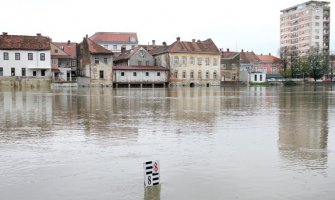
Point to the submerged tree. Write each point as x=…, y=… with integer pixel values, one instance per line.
x=318, y=64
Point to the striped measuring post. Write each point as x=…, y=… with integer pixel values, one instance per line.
x=151, y=173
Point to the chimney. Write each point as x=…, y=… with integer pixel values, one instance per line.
x=269, y=54
x=4, y=33
x=123, y=49
x=38, y=34
x=153, y=42
x=164, y=43
x=178, y=39
x=227, y=49
x=68, y=43
x=86, y=36
x=193, y=40
x=242, y=50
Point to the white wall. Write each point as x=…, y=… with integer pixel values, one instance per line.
x=109, y=46
x=31, y=65
x=140, y=76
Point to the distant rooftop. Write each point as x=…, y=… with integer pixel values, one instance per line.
x=296, y=7
x=115, y=37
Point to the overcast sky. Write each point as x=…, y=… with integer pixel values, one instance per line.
x=251, y=25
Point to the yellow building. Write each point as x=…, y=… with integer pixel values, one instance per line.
x=195, y=63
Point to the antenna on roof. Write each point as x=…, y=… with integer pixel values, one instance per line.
x=236, y=45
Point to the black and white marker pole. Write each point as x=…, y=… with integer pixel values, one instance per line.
x=151, y=173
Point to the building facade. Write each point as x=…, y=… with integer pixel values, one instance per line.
x=64, y=57
x=134, y=57
x=195, y=63
x=25, y=56
x=115, y=41
x=96, y=63
x=230, y=65
x=303, y=27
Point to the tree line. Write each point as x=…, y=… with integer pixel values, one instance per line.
x=315, y=64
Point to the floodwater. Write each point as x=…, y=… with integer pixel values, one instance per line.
x=212, y=143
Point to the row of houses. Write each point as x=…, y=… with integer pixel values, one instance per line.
x=110, y=58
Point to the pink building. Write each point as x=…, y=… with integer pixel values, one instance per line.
x=270, y=64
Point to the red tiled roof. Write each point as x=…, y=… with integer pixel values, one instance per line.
x=157, y=68
x=94, y=48
x=22, y=42
x=249, y=57
x=158, y=50
x=69, y=48
x=229, y=54
x=116, y=37
x=269, y=59
x=206, y=47
x=127, y=54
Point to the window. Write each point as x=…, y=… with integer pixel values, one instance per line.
x=147, y=63
x=207, y=61
x=214, y=75
x=96, y=59
x=215, y=62
x=56, y=50
x=42, y=56
x=34, y=73
x=54, y=61
x=17, y=56
x=141, y=52
x=199, y=61
x=43, y=72
x=146, y=73
x=1, y=71
x=192, y=74
x=317, y=24
x=317, y=17
x=114, y=47
x=134, y=74
x=317, y=37
x=122, y=73
x=105, y=46
x=73, y=63
x=255, y=77
x=139, y=63
x=5, y=56
x=30, y=56
x=158, y=73
x=199, y=74
x=192, y=60
x=184, y=74
x=184, y=60
x=23, y=71
x=105, y=60
x=176, y=74
x=101, y=74
x=176, y=60
x=261, y=78
x=12, y=71
x=207, y=74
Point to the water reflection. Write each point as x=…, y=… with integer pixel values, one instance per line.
x=303, y=132
x=25, y=112
x=152, y=193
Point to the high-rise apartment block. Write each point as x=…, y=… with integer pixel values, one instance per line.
x=305, y=26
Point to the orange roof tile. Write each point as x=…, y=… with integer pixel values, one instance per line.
x=94, y=48
x=23, y=42
x=114, y=37
x=69, y=48
x=269, y=59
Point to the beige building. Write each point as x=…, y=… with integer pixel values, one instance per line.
x=305, y=26
x=195, y=63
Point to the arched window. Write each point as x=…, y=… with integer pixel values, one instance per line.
x=176, y=74
x=207, y=74
x=214, y=75
x=192, y=74
x=199, y=74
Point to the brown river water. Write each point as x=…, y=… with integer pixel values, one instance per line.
x=212, y=143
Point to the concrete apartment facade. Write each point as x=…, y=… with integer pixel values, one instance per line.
x=305, y=26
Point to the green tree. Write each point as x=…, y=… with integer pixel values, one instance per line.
x=318, y=64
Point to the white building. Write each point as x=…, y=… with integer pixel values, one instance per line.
x=115, y=41
x=304, y=26
x=253, y=77
x=25, y=56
